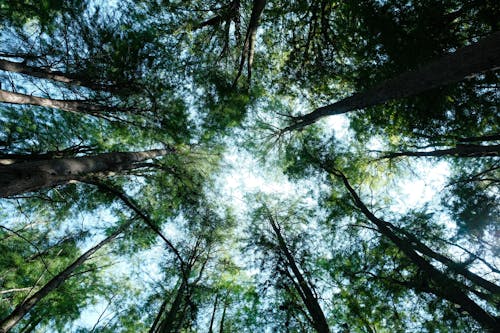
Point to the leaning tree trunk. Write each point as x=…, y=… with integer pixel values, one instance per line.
x=250, y=38
x=223, y=317
x=476, y=58
x=439, y=283
x=30, y=176
x=212, y=318
x=461, y=150
x=22, y=309
x=318, y=317
x=171, y=319
x=43, y=73
x=76, y=106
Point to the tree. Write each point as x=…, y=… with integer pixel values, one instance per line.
x=34, y=175
x=287, y=271
x=311, y=303
x=17, y=314
x=45, y=73
x=91, y=92
x=437, y=282
x=461, y=150
x=481, y=57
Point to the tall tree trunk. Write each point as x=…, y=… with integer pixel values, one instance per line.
x=223, y=317
x=77, y=106
x=249, y=43
x=22, y=309
x=212, y=318
x=461, y=150
x=491, y=137
x=44, y=73
x=318, y=317
x=436, y=282
x=30, y=176
x=158, y=316
x=171, y=318
x=476, y=58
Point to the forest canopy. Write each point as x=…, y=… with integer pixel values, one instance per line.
x=249, y=166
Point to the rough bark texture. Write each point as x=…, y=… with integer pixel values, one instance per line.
x=465, y=62
x=318, y=317
x=22, y=309
x=24, y=177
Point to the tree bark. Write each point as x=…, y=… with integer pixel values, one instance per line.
x=491, y=137
x=22, y=309
x=43, y=73
x=76, y=106
x=249, y=44
x=461, y=150
x=170, y=321
x=24, y=177
x=318, y=317
x=223, y=317
x=436, y=282
x=212, y=318
x=463, y=63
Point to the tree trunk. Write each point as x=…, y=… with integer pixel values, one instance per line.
x=211, y=327
x=461, y=150
x=436, y=282
x=491, y=137
x=158, y=316
x=223, y=317
x=77, y=106
x=24, y=177
x=43, y=73
x=170, y=322
x=463, y=63
x=249, y=44
x=318, y=317
x=22, y=309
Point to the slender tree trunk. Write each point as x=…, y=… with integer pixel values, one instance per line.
x=22, y=68
x=436, y=282
x=77, y=106
x=463, y=63
x=453, y=266
x=43, y=73
x=249, y=44
x=22, y=309
x=460, y=150
x=29, y=327
x=211, y=327
x=226, y=15
x=223, y=317
x=491, y=137
x=14, y=290
x=19, y=178
x=311, y=303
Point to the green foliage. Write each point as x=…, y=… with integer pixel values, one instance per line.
x=474, y=208
x=42, y=12
x=167, y=74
